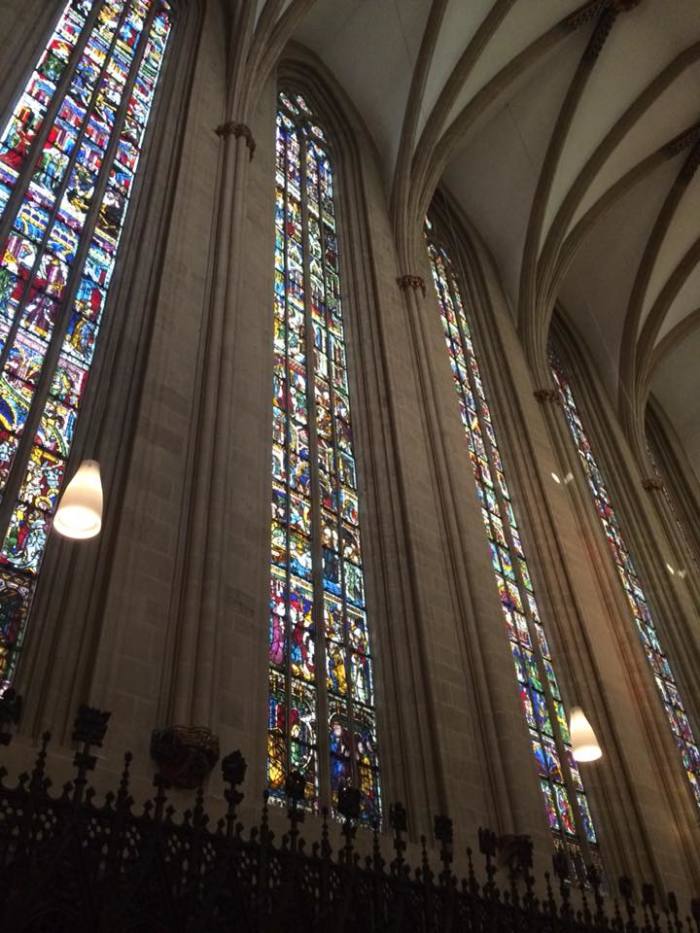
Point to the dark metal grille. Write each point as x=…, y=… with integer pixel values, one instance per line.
x=71, y=863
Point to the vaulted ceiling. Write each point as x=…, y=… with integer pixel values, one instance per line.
x=569, y=133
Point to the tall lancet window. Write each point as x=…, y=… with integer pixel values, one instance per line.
x=632, y=585
x=68, y=156
x=321, y=695
x=670, y=502
x=565, y=801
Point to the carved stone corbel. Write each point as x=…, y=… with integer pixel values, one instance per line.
x=547, y=395
x=411, y=281
x=184, y=754
x=652, y=484
x=237, y=130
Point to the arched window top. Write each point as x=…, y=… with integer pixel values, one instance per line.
x=294, y=107
x=322, y=722
x=566, y=803
x=69, y=154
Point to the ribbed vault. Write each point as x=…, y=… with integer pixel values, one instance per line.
x=568, y=132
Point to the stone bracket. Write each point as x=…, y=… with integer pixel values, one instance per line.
x=184, y=754
x=411, y=281
x=547, y=395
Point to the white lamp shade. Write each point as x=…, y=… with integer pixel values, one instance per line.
x=79, y=513
x=584, y=743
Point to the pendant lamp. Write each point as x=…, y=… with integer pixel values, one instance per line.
x=79, y=513
x=583, y=739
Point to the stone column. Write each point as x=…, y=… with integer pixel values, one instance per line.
x=496, y=756
x=196, y=671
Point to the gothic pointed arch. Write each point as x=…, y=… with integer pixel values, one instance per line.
x=322, y=707
x=331, y=558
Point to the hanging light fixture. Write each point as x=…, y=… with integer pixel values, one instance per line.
x=79, y=513
x=583, y=739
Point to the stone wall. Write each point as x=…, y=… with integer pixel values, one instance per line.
x=163, y=619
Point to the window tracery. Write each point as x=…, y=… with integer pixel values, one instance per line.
x=321, y=694
x=69, y=154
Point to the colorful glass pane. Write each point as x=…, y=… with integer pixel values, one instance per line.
x=672, y=507
x=632, y=585
x=317, y=604
x=539, y=693
x=67, y=163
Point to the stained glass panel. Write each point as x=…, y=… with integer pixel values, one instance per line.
x=539, y=693
x=68, y=154
x=632, y=585
x=317, y=607
x=672, y=507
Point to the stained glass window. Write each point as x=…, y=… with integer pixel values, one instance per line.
x=68, y=156
x=566, y=805
x=632, y=585
x=321, y=693
x=673, y=511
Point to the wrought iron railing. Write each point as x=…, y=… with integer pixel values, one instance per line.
x=71, y=863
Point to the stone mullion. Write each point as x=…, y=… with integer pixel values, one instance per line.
x=288, y=487
x=51, y=358
x=71, y=646
x=522, y=587
x=336, y=485
x=86, y=232
x=27, y=171
x=322, y=741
